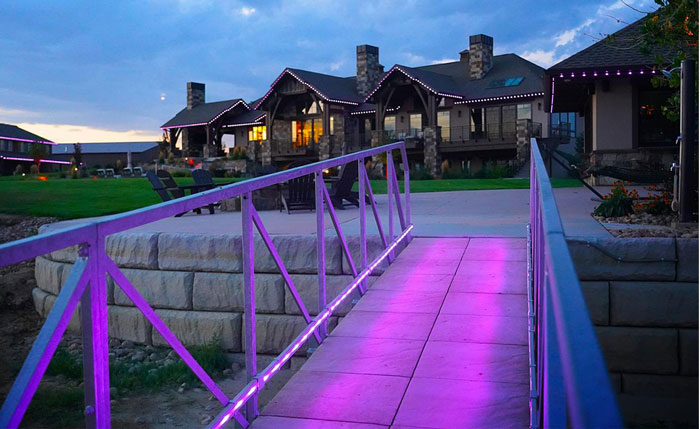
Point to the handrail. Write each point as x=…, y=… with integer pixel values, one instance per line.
x=87, y=284
x=572, y=384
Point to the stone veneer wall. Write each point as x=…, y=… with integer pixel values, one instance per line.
x=646, y=318
x=195, y=283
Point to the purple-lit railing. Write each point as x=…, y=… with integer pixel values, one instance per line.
x=87, y=285
x=569, y=384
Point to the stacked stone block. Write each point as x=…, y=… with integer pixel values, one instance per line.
x=430, y=150
x=646, y=317
x=195, y=284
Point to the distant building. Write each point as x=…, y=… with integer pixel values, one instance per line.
x=107, y=154
x=14, y=148
x=481, y=107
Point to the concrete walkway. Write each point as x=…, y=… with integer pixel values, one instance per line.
x=502, y=213
x=439, y=341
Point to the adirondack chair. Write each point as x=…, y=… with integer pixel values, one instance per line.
x=298, y=194
x=203, y=179
x=342, y=189
x=166, y=188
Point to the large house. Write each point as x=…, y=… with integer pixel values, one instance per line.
x=15, y=143
x=452, y=115
x=607, y=90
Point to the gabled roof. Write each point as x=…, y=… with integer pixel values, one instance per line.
x=13, y=132
x=203, y=114
x=250, y=117
x=330, y=88
x=452, y=79
x=110, y=147
x=620, y=49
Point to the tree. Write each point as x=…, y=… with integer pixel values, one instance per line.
x=674, y=26
x=37, y=152
x=78, y=154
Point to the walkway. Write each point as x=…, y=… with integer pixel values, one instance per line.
x=439, y=341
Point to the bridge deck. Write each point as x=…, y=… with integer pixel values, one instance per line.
x=439, y=341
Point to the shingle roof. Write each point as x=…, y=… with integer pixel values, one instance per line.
x=14, y=132
x=453, y=78
x=620, y=49
x=245, y=118
x=332, y=88
x=202, y=114
x=110, y=147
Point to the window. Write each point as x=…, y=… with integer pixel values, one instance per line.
x=501, y=83
x=415, y=123
x=562, y=124
x=654, y=129
x=390, y=125
x=443, y=120
x=525, y=111
x=311, y=110
x=257, y=133
x=331, y=131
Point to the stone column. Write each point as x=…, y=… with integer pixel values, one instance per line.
x=430, y=150
x=324, y=147
x=522, y=134
x=266, y=153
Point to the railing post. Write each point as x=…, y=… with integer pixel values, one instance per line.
x=96, y=337
x=321, y=249
x=390, y=193
x=249, y=299
x=406, y=187
x=363, y=218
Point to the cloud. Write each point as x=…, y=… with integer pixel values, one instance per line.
x=543, y=58
x=414, y=59
x=17, y=113
x=62, y=133
x=247, y=11
x=566, y=37
x=443, y=61
x=337, y=65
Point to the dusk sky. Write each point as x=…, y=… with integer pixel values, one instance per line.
x=115, y=71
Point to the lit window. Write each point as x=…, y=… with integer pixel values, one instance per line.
x=331, y=132
x=525, y=111
x=415, y=123
x=257, y=133
x=390, y=124
x=443, y=120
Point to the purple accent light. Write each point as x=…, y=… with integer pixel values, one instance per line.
x=207, y=123
x=27, y=140
x=504, y=97
x=48, y=161
x=414, y=79
x=314, y=89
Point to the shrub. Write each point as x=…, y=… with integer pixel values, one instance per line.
x=181, y=173
x=34, y=169
x=238, y=152
x=118, y=165
x=457, y=174
x=420, y=174
x=619, y=202
x=658, y=203
x=18, y=170
x=171, y=158
x=492, y=170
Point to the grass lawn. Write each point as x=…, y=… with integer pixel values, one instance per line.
x=79, y=198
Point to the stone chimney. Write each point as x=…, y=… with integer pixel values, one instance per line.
x=369, y=71
x=464, y=57
x=480, y=55
x=195, y=94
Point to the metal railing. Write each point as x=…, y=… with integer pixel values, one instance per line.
x=569, y=384
x=87, y=284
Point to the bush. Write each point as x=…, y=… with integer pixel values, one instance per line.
x=457, y=174
x=619, y=202
x=118, y=165
x=420, y=174
x=238, y=152
x=34, y=169
x=494, y=171
x=18, y=170
x=181, y=173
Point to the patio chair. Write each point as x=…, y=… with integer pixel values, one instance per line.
x=342, y=189
x=298, y=194
x=166, y=192
x=101, y=173
x=127, y=172
x=203, y=179
x=138, y=172
x=109, y=173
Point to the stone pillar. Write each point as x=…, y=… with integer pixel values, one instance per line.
x=324, y=147
x=522, y=134
x=266, y=153
x=430, y=150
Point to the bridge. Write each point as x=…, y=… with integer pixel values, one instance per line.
x=457, y=332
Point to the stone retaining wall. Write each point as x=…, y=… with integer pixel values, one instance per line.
x=195, y=283
x=646, y=317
